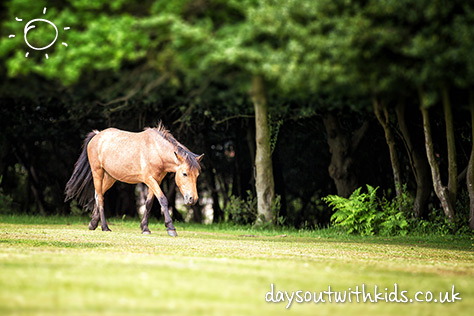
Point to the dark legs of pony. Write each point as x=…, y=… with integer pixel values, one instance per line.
x=97, y=214
x=155, y=190
x=103, y=181
x=95, y=218
x=148, y=205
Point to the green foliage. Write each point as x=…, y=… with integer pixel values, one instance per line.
x=274, y=126
x=366, y=214
x=96, y=40
x=324, y=46
x=396, y=214
x=358, y=214
x=245, y=212
x=6, y=203
x=437, y=223
x=242, y=211
x=275, y=209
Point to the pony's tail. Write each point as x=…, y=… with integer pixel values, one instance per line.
x=81, y=186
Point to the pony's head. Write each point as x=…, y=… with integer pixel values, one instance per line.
x=187, y=173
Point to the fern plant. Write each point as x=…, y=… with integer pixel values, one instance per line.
x=364, y=213
x=356, y=214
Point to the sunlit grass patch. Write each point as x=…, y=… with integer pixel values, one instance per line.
x=57, y=266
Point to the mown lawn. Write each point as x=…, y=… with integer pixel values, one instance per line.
x=56, y=266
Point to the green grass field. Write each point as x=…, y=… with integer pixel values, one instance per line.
x=56, y=266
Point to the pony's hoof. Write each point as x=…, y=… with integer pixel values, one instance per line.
x=172, y=232
x=146, y=232
x=92, y=227
x=106, y=229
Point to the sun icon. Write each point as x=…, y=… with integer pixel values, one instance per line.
x=30, y=25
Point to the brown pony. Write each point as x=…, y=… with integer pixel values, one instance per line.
x=114, y=155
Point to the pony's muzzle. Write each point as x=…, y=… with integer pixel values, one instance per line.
x=189, y=200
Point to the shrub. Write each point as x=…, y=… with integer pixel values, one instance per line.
x=245, y=212
x=6, y=203
x=242, y=211
x=275, y=207
x=437, y=223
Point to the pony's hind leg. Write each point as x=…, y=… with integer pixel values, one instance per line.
x=102, y=182
x=95, y=216
x=103, y=222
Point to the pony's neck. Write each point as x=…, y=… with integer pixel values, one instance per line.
x=170, y=164
x=167, y=155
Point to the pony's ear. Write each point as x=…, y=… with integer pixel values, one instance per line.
x=179, y=157
x=199, y=158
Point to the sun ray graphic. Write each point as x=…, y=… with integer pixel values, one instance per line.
x=31, y=25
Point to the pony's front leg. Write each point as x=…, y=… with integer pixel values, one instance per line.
x=148, y=205
x=168, y=221
x=154, y=186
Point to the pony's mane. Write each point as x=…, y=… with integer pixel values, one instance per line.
x=181, y=150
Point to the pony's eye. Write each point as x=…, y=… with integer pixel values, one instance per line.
x=185, y=174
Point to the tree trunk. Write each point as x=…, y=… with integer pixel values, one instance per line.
x=342, y=147
x=418, y=163
x=440, y=190
x=381, y=112
x=264, y=182
x=451, y=143
x=470, y=168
